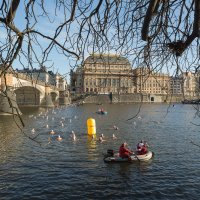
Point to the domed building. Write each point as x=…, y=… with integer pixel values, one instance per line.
x=103, y=74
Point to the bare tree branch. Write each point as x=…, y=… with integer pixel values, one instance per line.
x=12, y=11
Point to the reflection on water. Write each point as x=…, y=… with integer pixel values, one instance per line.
x=92, y=147
x=67, y=169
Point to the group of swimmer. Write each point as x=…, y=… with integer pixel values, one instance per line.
x=74, y=137
x=59, y=138
x=125, y=152
x=102, y=137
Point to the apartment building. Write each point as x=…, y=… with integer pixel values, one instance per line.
x=149, y=82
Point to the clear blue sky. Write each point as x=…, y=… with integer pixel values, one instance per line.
x=57, y=62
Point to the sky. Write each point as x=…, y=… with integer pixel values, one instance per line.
x=57, y=62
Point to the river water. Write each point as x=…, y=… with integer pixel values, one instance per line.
x=48, y=169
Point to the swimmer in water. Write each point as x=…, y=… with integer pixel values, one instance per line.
x=73, y=136
x=115, y=127
x=101, y=139
x=52, y=132
x=59, y=138
x=114, y=137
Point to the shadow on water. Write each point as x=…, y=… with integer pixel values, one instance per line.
x=26, y=110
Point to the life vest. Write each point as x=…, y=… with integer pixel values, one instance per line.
x=123, y=151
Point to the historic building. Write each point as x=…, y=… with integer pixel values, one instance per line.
x=149, y=82
x=191, y=84
x=176, y=85
x=76, y=80
x=45, y=76
x=102, y=74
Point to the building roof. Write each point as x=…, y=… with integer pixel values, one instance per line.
x=107, y=59
x=38, y=71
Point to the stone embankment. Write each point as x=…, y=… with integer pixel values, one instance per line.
x=131, y=98
x=8, y=104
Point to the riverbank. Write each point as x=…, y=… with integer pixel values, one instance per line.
x=129, y=98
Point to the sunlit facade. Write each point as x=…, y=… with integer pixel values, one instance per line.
x=191, y=84
x=149, y=82
x=103, y=74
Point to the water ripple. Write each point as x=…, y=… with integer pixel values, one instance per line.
x=75, y=170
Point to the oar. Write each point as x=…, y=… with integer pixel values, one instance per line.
x=136, y=156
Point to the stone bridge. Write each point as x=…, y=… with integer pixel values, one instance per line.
x=22, y=90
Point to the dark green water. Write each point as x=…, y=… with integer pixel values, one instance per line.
x=75, y=170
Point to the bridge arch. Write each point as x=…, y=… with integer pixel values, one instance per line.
x=24, y=83
x=28, y=95
x=54, y=96
x=34, y=93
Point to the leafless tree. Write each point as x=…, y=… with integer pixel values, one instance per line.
x=143, y=30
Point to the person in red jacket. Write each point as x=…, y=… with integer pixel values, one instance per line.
x=142, y=148
x=124, y=152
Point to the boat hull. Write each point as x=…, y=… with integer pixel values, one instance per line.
x=145, y=157
x=102, y=113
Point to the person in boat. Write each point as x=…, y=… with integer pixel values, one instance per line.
x=142, y=148
x=101, y=110
x=124, y=152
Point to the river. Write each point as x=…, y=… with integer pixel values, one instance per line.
x=45, y=168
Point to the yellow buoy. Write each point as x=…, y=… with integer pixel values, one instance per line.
x=91, y=126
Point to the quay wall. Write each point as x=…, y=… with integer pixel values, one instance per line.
x=101, y=98
x=132, y=98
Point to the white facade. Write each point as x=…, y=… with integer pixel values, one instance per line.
x=48, y=77
x=191, y=84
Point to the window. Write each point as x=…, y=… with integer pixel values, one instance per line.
x=113, y=82
x=108, y=82
x=98, y=81
x=117, y=82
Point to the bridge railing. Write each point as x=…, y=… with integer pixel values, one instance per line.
x=30, y=79
x=33, y=81
x=22, y=84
